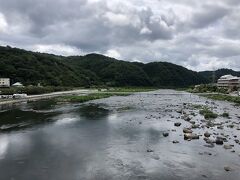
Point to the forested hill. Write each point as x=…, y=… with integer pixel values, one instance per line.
x=215, y=75
x=93, y=69
x=168, y=74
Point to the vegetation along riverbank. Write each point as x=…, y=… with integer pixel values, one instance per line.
x=100, y=94
x=88, y=97
x=224, y=97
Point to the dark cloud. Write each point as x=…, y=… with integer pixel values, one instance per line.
x=208, y=15
x=196, y=34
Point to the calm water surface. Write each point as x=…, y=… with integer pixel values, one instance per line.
x=109, y=139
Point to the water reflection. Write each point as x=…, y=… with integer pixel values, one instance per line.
x=17, y=119
x=66, y=120
x=3, y=146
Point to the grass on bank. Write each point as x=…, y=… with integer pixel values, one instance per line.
x=208, y=114
x=89, y=97
x=222, y=97
x=131, y=89
x=207, y=88
x=198, y=106
x=120, y=91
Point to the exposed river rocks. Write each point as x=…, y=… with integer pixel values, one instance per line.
x=165, y=135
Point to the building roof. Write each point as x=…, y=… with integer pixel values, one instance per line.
x=229, y=77
x=17, y=84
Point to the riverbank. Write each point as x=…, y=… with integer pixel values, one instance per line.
x=48, y=95
x=80, y=95
x=89, y=97
x=224, y=97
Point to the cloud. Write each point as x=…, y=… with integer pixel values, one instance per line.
x=57, y=49
x=113, y=53
x=208, y=15
x=196, y=34
x=3, y=23
x=205, y=61
x=117, y=19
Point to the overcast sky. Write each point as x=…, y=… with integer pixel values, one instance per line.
x=197, y=34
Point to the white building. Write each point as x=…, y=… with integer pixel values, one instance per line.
x=228, y=81
x=4, y=82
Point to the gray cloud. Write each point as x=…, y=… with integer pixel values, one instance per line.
x=208, y=15
x=196, y=34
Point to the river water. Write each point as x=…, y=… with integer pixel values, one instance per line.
x=116, y=138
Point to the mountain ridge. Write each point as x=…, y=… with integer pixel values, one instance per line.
x=92, y=69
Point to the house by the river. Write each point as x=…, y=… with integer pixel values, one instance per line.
x=4, y=82
x=229, y=81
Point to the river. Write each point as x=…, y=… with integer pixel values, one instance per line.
x=117, y=138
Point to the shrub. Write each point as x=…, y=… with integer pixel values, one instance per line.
x=225, y=114
x=208, y=114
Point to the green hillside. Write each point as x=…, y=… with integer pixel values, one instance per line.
x=110, y=71
x=32, y=68
x=168, y=74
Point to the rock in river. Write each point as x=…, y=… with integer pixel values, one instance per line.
x=207, y=134
x=187, y=130
x=165, y=134
x=187, y=118
x=150, y=150
x=190, y=136
x=236, y=141
x=227, y=168
x=227, y=147
x=219, y=141
x=195, y=126
x=177, y=124
x=192, y=122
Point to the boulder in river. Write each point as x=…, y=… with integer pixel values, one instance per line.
x=219, y=141
x=165, y=134
x=227, y=147
x=227, y=168
x=187, y=130
x=190, y=136
x=195, y=126
x=207, y=134
x=150, y=150
x=187, y=118
x=236, y=141
x=220, y=127
x=192, y=122
x=231, y=126
x=177, y=124
x=208, y=141
x=179, y=111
